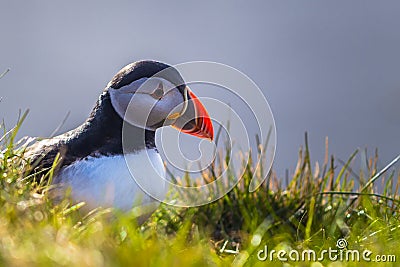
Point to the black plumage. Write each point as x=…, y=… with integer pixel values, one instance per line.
x=101, y=133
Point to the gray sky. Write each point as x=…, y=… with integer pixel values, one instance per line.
x=329, y=68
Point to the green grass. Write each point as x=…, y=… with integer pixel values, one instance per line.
x=320, y=204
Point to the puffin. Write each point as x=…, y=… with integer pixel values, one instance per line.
x=111, y=160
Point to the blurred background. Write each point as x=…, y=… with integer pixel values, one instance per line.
x=328, y=68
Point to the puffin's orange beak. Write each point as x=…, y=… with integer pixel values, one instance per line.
x=195, y=120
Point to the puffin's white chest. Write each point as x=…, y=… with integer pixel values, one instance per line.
x=109, y=182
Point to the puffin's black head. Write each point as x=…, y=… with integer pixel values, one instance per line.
x=151, y=94
x=145, y=69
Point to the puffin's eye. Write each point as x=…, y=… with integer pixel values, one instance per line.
x=159, y=92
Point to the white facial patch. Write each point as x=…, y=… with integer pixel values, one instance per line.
x=140, y=104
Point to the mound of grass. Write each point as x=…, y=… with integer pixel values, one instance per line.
x=317, y=207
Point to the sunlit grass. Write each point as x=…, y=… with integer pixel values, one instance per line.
x=319, y=205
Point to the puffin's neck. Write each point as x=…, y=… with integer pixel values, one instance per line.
x=103, y=131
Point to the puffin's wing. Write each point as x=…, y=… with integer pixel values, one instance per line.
x=42, y=154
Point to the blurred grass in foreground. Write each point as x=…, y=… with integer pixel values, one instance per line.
x=317, y=207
